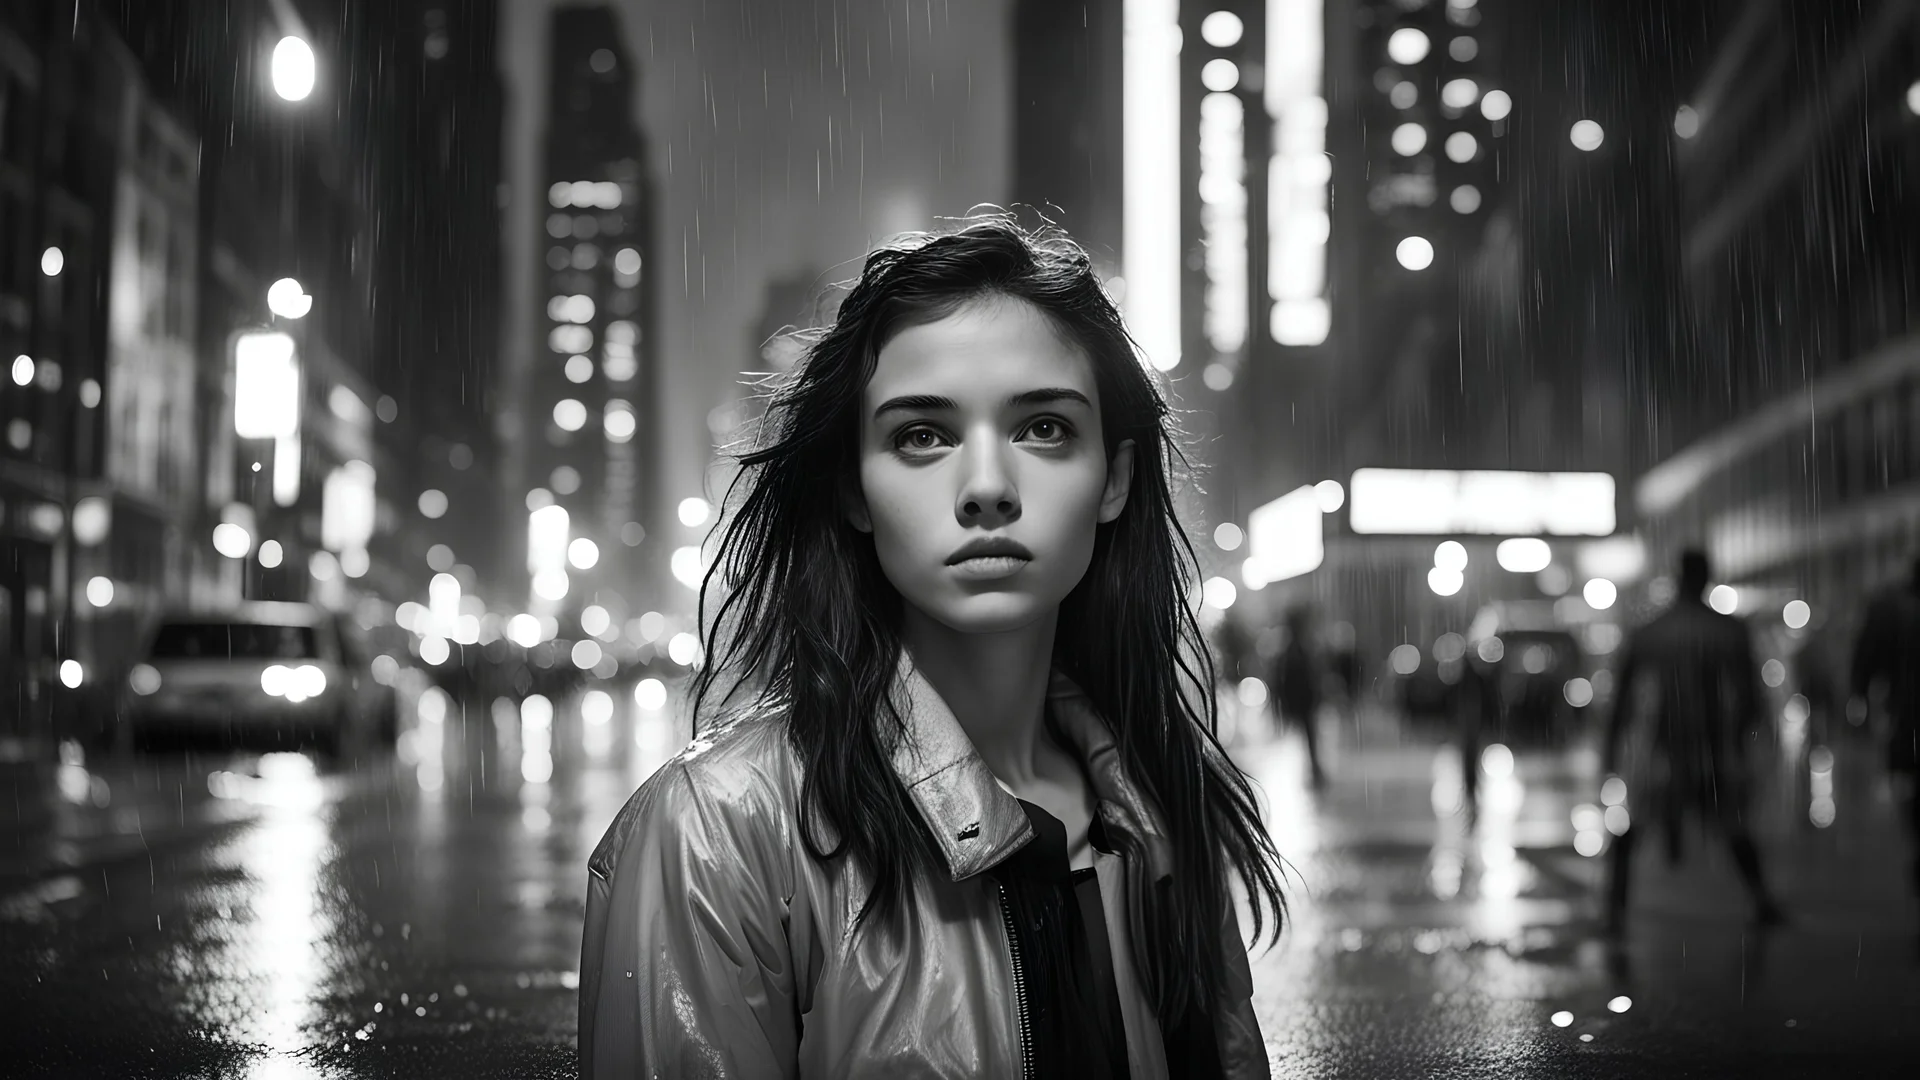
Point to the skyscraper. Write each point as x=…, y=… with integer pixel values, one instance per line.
x=591, y=416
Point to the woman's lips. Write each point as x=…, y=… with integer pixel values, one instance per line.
x=989, y=567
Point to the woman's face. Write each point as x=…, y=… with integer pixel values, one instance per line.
x=984, y=427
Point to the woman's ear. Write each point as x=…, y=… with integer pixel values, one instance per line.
x=1119, y=482
x=855, y=503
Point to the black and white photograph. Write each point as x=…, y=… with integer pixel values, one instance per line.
x=939, y=539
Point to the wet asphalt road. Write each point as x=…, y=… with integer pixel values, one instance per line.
x=239, y=915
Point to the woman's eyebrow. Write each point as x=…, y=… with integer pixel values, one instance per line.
x=936, y=403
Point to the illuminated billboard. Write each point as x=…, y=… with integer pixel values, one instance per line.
x=1486, y=503
x=1284, y=539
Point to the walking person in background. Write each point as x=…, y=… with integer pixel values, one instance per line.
x=1477, y=717
x=1298, y=685
x=1701, y=691
x=1887, y=653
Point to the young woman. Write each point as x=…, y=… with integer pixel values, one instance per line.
x=963, y=813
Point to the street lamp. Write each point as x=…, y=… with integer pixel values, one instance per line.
x=293, y=69
x=287, y=299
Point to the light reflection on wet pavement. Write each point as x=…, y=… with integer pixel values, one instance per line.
x=253, y=916
x=1419, y=947
x=419, y=915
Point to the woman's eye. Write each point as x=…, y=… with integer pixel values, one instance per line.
x=917, y=439
x=1047, y=430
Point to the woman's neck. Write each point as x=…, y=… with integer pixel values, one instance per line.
x=995, y=684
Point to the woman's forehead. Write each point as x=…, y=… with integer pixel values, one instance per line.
x=984, y=351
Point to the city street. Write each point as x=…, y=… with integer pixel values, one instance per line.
x=251, y=916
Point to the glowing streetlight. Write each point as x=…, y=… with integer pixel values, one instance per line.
x=288, y=299
x=1414, y=253
x=293, y=69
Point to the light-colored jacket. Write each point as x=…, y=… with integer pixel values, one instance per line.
x=716, y=946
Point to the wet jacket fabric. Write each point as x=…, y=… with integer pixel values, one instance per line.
x=715, y=946
x=1687, y=693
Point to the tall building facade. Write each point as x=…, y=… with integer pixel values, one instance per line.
x=590, y=423
x=100, y=469
x=1790, y=449
x=208, y=334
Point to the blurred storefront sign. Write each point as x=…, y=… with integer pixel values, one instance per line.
x=1285, y=538
x=1432, y=502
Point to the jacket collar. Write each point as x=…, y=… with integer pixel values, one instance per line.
x=976, y=822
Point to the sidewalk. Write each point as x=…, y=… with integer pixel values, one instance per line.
x=1415, y=947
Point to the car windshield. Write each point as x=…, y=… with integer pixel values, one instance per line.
x=251, y=641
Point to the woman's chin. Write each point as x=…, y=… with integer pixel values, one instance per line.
x=989, y=613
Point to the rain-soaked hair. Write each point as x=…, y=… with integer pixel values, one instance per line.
x=810, y=623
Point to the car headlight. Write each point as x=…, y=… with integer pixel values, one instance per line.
x=277, y=680
x=309, y=680
x=144, y=679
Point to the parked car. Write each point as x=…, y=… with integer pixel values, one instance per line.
x=1538, y=650
x=266, y=672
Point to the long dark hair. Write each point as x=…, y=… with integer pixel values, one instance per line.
x=812, y=624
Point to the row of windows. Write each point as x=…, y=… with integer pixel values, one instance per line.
x=1864, y=450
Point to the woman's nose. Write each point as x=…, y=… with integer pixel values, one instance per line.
x=988, y=495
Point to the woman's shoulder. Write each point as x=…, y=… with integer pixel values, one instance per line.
x=737, y=777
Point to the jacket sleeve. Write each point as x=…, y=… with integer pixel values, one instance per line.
x=685, y=969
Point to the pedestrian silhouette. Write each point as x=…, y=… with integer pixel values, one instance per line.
x=1298, y=687
x=1687, y=690
x=1888, y=652
x=1478, y=716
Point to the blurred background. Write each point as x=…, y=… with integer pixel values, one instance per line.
x=370, y=366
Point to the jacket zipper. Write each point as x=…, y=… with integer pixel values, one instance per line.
x=1019, y=987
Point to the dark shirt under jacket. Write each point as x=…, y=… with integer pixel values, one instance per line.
x=1073, y=1005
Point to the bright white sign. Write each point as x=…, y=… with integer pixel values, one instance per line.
x=1284, y=538
x=1438, y=502
x=266, y=386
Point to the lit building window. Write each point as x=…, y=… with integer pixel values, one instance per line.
x=569, y=338
x=1408, y=45
x=569, y=415
x=620, y=364
x=1298, y=173
x=619, y=422
x=1223, y=219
